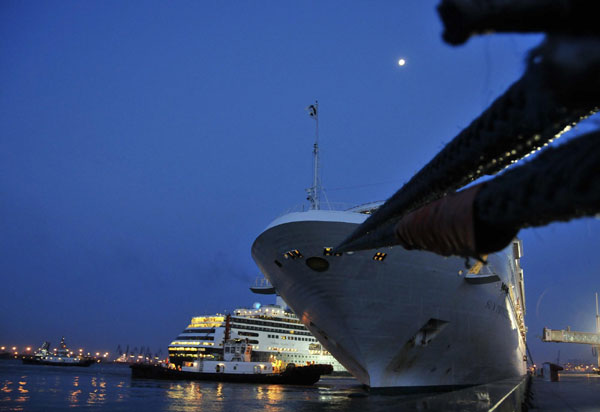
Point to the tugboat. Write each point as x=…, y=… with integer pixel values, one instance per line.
x=236, y=366
x=62, y=357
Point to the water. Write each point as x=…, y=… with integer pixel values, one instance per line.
x=110, y=387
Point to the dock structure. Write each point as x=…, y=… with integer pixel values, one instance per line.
x=570, y=336
x=574, y=392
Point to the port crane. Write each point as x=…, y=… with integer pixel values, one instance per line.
x=570, y=336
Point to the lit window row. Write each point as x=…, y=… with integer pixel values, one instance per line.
x=195, y=337
x=298, y=338
x=207, y=321
x=190, y=355
x=275, y=348
x=280, y=323
x=205, y=324
x=192, y=343
x=263, y=329
x=292, y=254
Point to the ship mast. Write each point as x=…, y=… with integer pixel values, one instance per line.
x=313, y=192
x=597, y=331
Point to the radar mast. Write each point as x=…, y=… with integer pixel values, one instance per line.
x=313, y=192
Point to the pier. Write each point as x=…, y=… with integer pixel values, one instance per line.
x=573, y=392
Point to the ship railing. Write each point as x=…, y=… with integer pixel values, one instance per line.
x=261, y=282
x=365, y=208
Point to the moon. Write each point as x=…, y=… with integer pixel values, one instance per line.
x=401, y=62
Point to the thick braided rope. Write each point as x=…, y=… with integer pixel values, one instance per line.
x=524, y=119
x=560, y=184
x=465, y=18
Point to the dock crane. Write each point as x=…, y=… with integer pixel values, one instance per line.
x=569, y=336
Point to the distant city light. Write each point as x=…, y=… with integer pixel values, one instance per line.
x=401, y=62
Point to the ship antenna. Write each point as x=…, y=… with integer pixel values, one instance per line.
x=597, y=331
x=313, y=192
x=597, y=315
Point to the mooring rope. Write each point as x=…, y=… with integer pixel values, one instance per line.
x=521, y=121
x=465, y=18
x=560, y=184
x=560, y=88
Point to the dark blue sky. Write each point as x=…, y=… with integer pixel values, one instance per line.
x=143, y=147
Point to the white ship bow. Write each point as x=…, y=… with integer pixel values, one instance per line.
x=397, y=318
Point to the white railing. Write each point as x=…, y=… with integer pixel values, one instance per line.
x=340, y=206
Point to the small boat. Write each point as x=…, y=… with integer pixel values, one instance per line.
x=60, y=357
x=235, y=367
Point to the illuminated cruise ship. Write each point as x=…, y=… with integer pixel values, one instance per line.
x=395, y=317
x=274, y=331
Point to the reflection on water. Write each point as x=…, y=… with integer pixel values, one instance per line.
x=184, y=396
x=217, y=396
x=50, y=385
x=15, y=391
x=97, y=394
x=74, y=398
x=110, y=387
x=74, y=395
x=271, y=396
x=260, y=395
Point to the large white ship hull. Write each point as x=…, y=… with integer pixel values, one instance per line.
x=410, y=320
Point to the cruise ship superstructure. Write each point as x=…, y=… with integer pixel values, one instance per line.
x=394, y=317
x=276, y=335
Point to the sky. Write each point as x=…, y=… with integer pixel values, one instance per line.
x=144, y=146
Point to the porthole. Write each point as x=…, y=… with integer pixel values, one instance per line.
x=317, y=264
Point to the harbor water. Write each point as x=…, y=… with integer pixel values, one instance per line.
x=109, y=387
